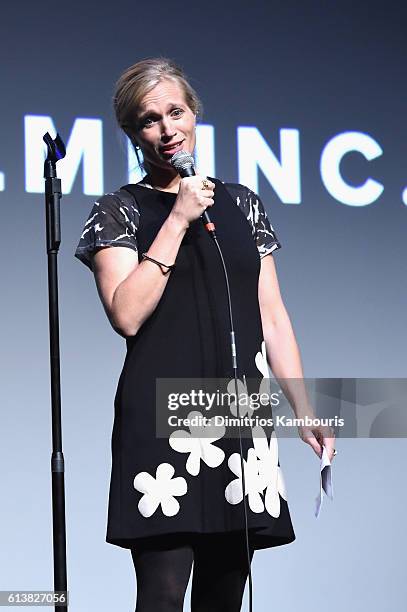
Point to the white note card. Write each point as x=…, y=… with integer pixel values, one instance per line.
x=325, y=481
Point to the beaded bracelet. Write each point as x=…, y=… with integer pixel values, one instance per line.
x=161, y=265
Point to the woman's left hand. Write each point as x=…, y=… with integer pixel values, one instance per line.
x=318, y=436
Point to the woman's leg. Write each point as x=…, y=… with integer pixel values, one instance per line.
x=220, y=572
x=163, y=566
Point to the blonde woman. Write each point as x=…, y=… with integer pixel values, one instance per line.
x=173, y=503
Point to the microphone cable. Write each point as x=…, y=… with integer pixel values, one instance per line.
x=183, y=162
x=234, y=362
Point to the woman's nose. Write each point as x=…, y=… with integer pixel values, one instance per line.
x=167, y=129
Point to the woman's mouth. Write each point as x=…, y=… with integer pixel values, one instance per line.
x=171, y=149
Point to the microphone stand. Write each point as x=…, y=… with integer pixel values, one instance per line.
x=53, y=194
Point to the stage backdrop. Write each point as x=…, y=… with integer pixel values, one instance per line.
x=305, y=103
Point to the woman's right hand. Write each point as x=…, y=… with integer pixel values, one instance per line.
x=131, y=291
x=192, y=199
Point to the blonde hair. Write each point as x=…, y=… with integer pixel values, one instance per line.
x=137, y=80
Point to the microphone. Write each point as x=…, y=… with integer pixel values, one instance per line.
x=183, y=162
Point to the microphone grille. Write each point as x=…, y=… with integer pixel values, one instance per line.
x=181, y=160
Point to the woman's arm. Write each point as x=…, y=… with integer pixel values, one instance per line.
x=283, y=353
x=129, y=290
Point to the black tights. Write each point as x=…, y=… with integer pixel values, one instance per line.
x=163, y=566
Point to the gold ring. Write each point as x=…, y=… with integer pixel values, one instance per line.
x=205, y=184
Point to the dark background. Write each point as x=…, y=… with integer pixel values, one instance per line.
x=323, y=68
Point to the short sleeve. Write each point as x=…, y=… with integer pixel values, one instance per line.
x=113, y=221
x=252, y=207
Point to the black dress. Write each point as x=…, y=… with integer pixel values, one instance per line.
x=180, y=485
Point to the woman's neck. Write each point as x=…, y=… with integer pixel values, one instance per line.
x=162, y=180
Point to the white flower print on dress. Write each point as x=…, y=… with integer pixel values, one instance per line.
x=263, y=367
x=253, y=481
x=160, y=490
x=261, y=473
x=261, y=361
x=199, y=444
x=270, y=472
x=244, y=408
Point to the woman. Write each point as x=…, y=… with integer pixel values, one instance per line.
x=172, y=502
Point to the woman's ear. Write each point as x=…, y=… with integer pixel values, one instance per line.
x=131, y=135
x=134, y=142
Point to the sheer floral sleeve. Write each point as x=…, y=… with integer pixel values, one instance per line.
x=113, y=221
x=252, y=207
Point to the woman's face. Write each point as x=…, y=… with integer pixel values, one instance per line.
x=165, y=123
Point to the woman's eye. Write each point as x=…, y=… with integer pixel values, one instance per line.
x=146, y=122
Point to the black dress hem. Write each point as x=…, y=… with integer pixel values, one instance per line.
x=257, y=540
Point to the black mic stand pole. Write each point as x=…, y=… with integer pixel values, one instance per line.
x=53, y=194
